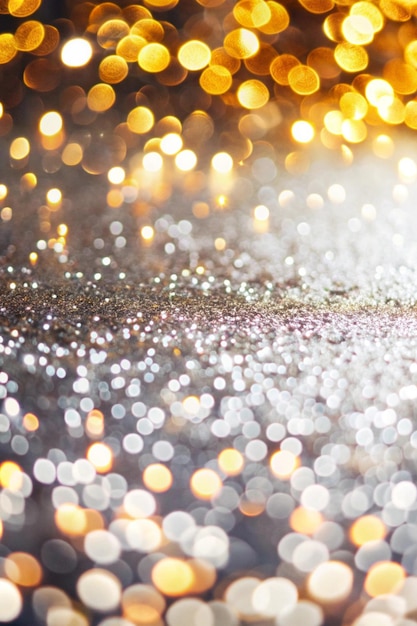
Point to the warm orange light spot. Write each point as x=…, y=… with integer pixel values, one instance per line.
x=278, y=21
x=71, y=519
x=205, y=483
x=383, y=577
x=19, y=148
x=101, y=456
x=76, y=52
x=153, y=58
x=147, y=233
x=252, y=504
x=241, y=43
x=72, y=154
x=172, y=576
x=204, y=575
x=101, y=97
x=367, y=528
x=23, y=569
x=27, y=182
x=194, y=55
x=252, y=13
x=8, y=49
x=283, y=463
x=30, y=421
x=231, y=461
x=93, y=520
x=140, y=120
x=94, y=425
x=50, y=123
x=253, y=94
x=157, y=478
x=350, y=57
x=54, y=198
x=10, y=475
x=113, y=69
x=23, y=8
x=303, y=80
x=305, y=521
x=115, y=198
x=281, y=67
x=130, y=46
x=29, y=35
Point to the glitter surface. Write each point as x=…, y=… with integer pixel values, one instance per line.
x=208, y=319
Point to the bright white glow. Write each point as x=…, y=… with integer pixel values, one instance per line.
x=76, y=52
x=222, y=162
x=152, y=162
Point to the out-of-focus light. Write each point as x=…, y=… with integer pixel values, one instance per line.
x=261, y=213
x=147, y=233
x=186, y=160
x=76, y=52
x=152, y=162
x=50, y=123
x=194, y=55
x=222, y=162
x=101, y=456
x=302, y=131
x=205, y=483
x=116, y=175
x=19, y=148
x=54, y=197
x=171, y=143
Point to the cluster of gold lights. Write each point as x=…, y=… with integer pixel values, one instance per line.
x=234, y=76
x=175, y=576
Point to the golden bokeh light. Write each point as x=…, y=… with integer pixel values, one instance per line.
x=231, y=461
x=154, y=57
x=194, y=55
x=113, y=69
x=29, y=35
x=101, y=457
x=283, y=463
x=383, y=578
x=171, y=143
x=253, y=94
x=10, y=475
x=205, y=484
x=173, y=577
x=111, y=32
x=303, y=80
x=50, y=123
x=19, y=148
x=30, y=421
x=241, y=43
x=305, y=521
x=101, y=97
x=76, y=52
x=302, y=131
x=350, y=57
x=252, y=14
x=222, y=162
x=157, y=478
x=367, y=528
x=71, y=520
x=23, y=8
x=23, y=569
x=140, y=120
x=281, y=67
x=8, y=47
